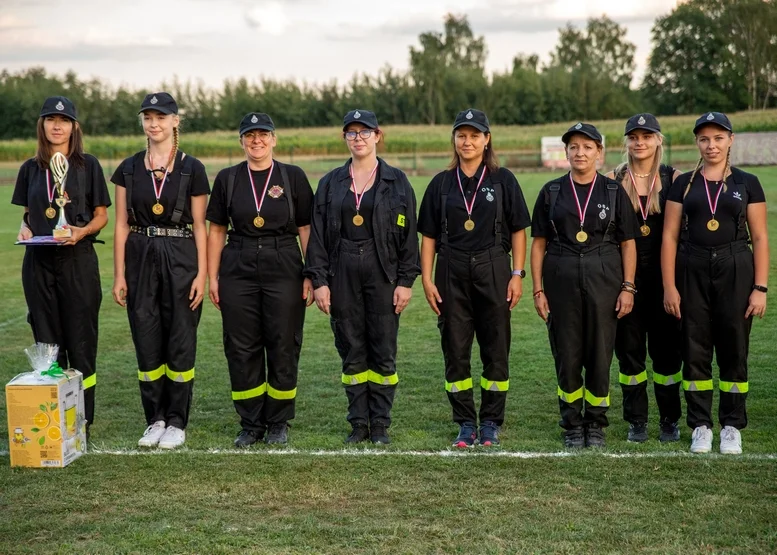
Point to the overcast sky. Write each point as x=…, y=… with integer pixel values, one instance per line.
x=140, y=43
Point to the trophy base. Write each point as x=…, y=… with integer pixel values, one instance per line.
x=62, y=233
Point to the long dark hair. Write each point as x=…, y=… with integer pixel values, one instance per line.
x=75, y=147
x=490, y=158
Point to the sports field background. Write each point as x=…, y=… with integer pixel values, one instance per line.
x=313, y=497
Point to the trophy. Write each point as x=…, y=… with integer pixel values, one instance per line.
x=59, y=166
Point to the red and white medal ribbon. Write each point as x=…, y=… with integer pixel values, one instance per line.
x=49, y=189
x=644, y=211
x=581, y=211
x=713, y=207
x=360, y=196
x=157, y=191
x=258, y=202
x=469, y=205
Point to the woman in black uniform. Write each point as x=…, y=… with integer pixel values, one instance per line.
x=583, y=260
x=256, y=280
x=160, y=267
x=714, y=282
x=62, y=284
x=647, y=182
x=472, y=215
x=363, y=259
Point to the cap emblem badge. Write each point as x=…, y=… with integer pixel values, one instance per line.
x=357, y=114
x=469, y=115
x=641, y=120
x=153, y=100
x=710, y=117
x=60, y=106
x=254, y=119
x=579, y=126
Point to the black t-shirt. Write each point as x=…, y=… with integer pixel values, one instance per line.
x=275, y=208
x=351, y=231
x=515, y=213
x=649, y=246
x=31, y=191
x=144, y=197
x=596, y=218
x=731, y=203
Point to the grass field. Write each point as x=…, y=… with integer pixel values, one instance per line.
x=400, y=139
x=411, y=497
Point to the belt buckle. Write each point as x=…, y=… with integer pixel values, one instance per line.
x=151, y=231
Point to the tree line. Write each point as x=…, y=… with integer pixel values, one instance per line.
x=705, y=55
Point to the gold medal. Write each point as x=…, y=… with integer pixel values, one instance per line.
x=157, y=209
x=50, y=213
x=581, y=236
x=645, y=229
x=358, y=220
x=713, y=224
x=469, y=225
x=258, y=221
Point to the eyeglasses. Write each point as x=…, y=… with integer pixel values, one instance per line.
x=263, y=136
x=364, y=134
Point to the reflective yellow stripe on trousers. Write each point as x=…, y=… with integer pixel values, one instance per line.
x=660, y=379
x=280, y=394
x=152, y=375
x=370, y=376
x=570, y=397
x=180, y=377
x=595, y=401
x=91, y=381
x=697, y=385
x=730, y=387
x=455, y=387
x=625, y=379
x=489, y=385
x=249, y=393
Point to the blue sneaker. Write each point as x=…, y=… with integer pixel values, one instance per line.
x=489, y=434
x=467, y=437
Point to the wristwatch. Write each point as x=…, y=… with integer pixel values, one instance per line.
x=519, y=273
x=761, y=288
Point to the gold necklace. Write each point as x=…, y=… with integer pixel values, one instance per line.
x=641, y=175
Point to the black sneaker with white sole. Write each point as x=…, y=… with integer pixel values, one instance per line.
x=638, y=432
x=278, y=434
x=669, y=432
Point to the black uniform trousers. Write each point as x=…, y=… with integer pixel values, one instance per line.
x=715, y=286
x=262, y=311
x=582, y=290
x=648, y=329
x=473, y=287
x=159, y=272
x=365, y=329
x=63, y=293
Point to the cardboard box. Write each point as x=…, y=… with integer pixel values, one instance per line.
x=46, y=423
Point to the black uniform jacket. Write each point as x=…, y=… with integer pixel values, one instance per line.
x=394, y=225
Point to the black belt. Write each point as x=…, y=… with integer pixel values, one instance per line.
x=158, y=231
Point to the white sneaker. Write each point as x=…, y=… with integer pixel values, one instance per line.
x=174, y=437
x=701, y=440
x=153, y=434
x=730, y=441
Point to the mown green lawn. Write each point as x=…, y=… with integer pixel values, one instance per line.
x=646, y=498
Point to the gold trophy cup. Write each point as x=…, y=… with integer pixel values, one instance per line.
x=59, y=166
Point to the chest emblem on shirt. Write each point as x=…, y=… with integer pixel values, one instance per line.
x=275, y=191
x=603, y=213
x=737, y=195
x=489, y=193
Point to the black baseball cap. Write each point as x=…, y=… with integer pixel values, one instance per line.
x=648, y=122
x=713, y=118
x=59, y=106
x=473, y=118
x=583, y=129
x=256, y=120
x=365, y=117
x=161, y=102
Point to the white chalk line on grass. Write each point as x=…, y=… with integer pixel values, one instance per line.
x=427, y=454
